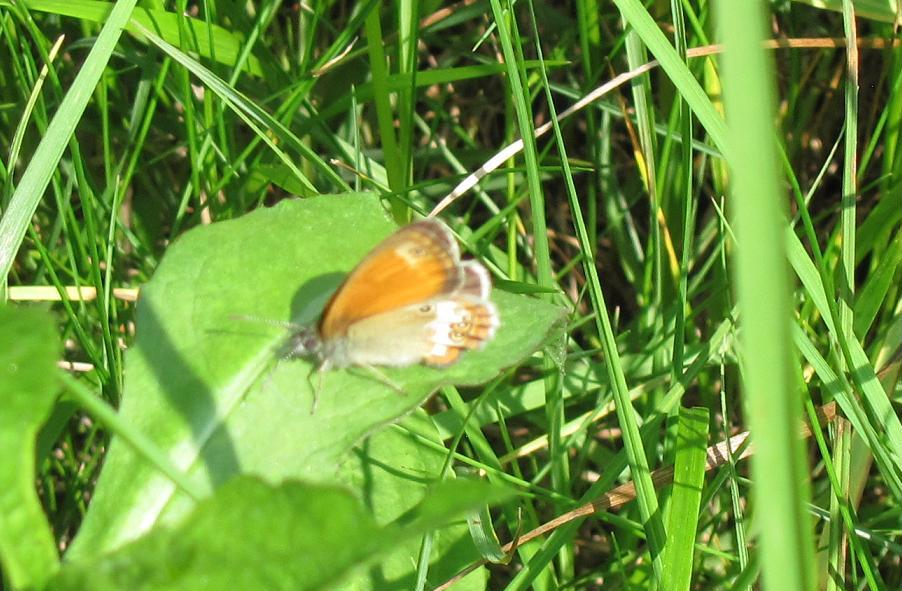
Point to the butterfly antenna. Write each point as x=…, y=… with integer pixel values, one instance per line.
x=269, y=321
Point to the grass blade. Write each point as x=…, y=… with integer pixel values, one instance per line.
x=773, y=405
x=36, y=177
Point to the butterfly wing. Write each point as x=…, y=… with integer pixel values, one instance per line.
x=417, y=263
x=462, y=323
x=476, y=281
x=434, y=332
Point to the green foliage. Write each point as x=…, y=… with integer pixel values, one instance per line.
x=237, y=159
x=253, y=535
x=202, y=381
x=28, y=350
x=683, y=510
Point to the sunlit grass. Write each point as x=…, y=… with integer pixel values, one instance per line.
x=742, y=268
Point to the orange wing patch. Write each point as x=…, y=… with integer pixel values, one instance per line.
x=419, y=262
x=448, y=358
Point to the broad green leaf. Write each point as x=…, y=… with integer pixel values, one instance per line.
x=208, y=389
x=253, y=535
x=28, y=352
x=391, y=472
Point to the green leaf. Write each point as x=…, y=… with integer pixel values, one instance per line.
x=877, y=10
x=207, y=39
x=253, y=535
x=208, y=389
x=688, y=481
x=391, y=472
x=28, y=351
x=484, y=537
x=281, y=176
x=873, y=293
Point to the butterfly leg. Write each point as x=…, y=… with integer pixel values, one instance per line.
x=384, y=379
x=267, y=379
x=315, y=388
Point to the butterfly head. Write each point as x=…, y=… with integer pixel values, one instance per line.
x=304, y=343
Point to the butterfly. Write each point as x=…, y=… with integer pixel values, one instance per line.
x=410, y=300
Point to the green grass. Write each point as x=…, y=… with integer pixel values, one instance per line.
x=667, y=276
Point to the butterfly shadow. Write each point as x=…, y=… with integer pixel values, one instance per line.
x=307, y=304
x=310, y=298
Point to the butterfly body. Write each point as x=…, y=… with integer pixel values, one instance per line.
x=410, y=300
